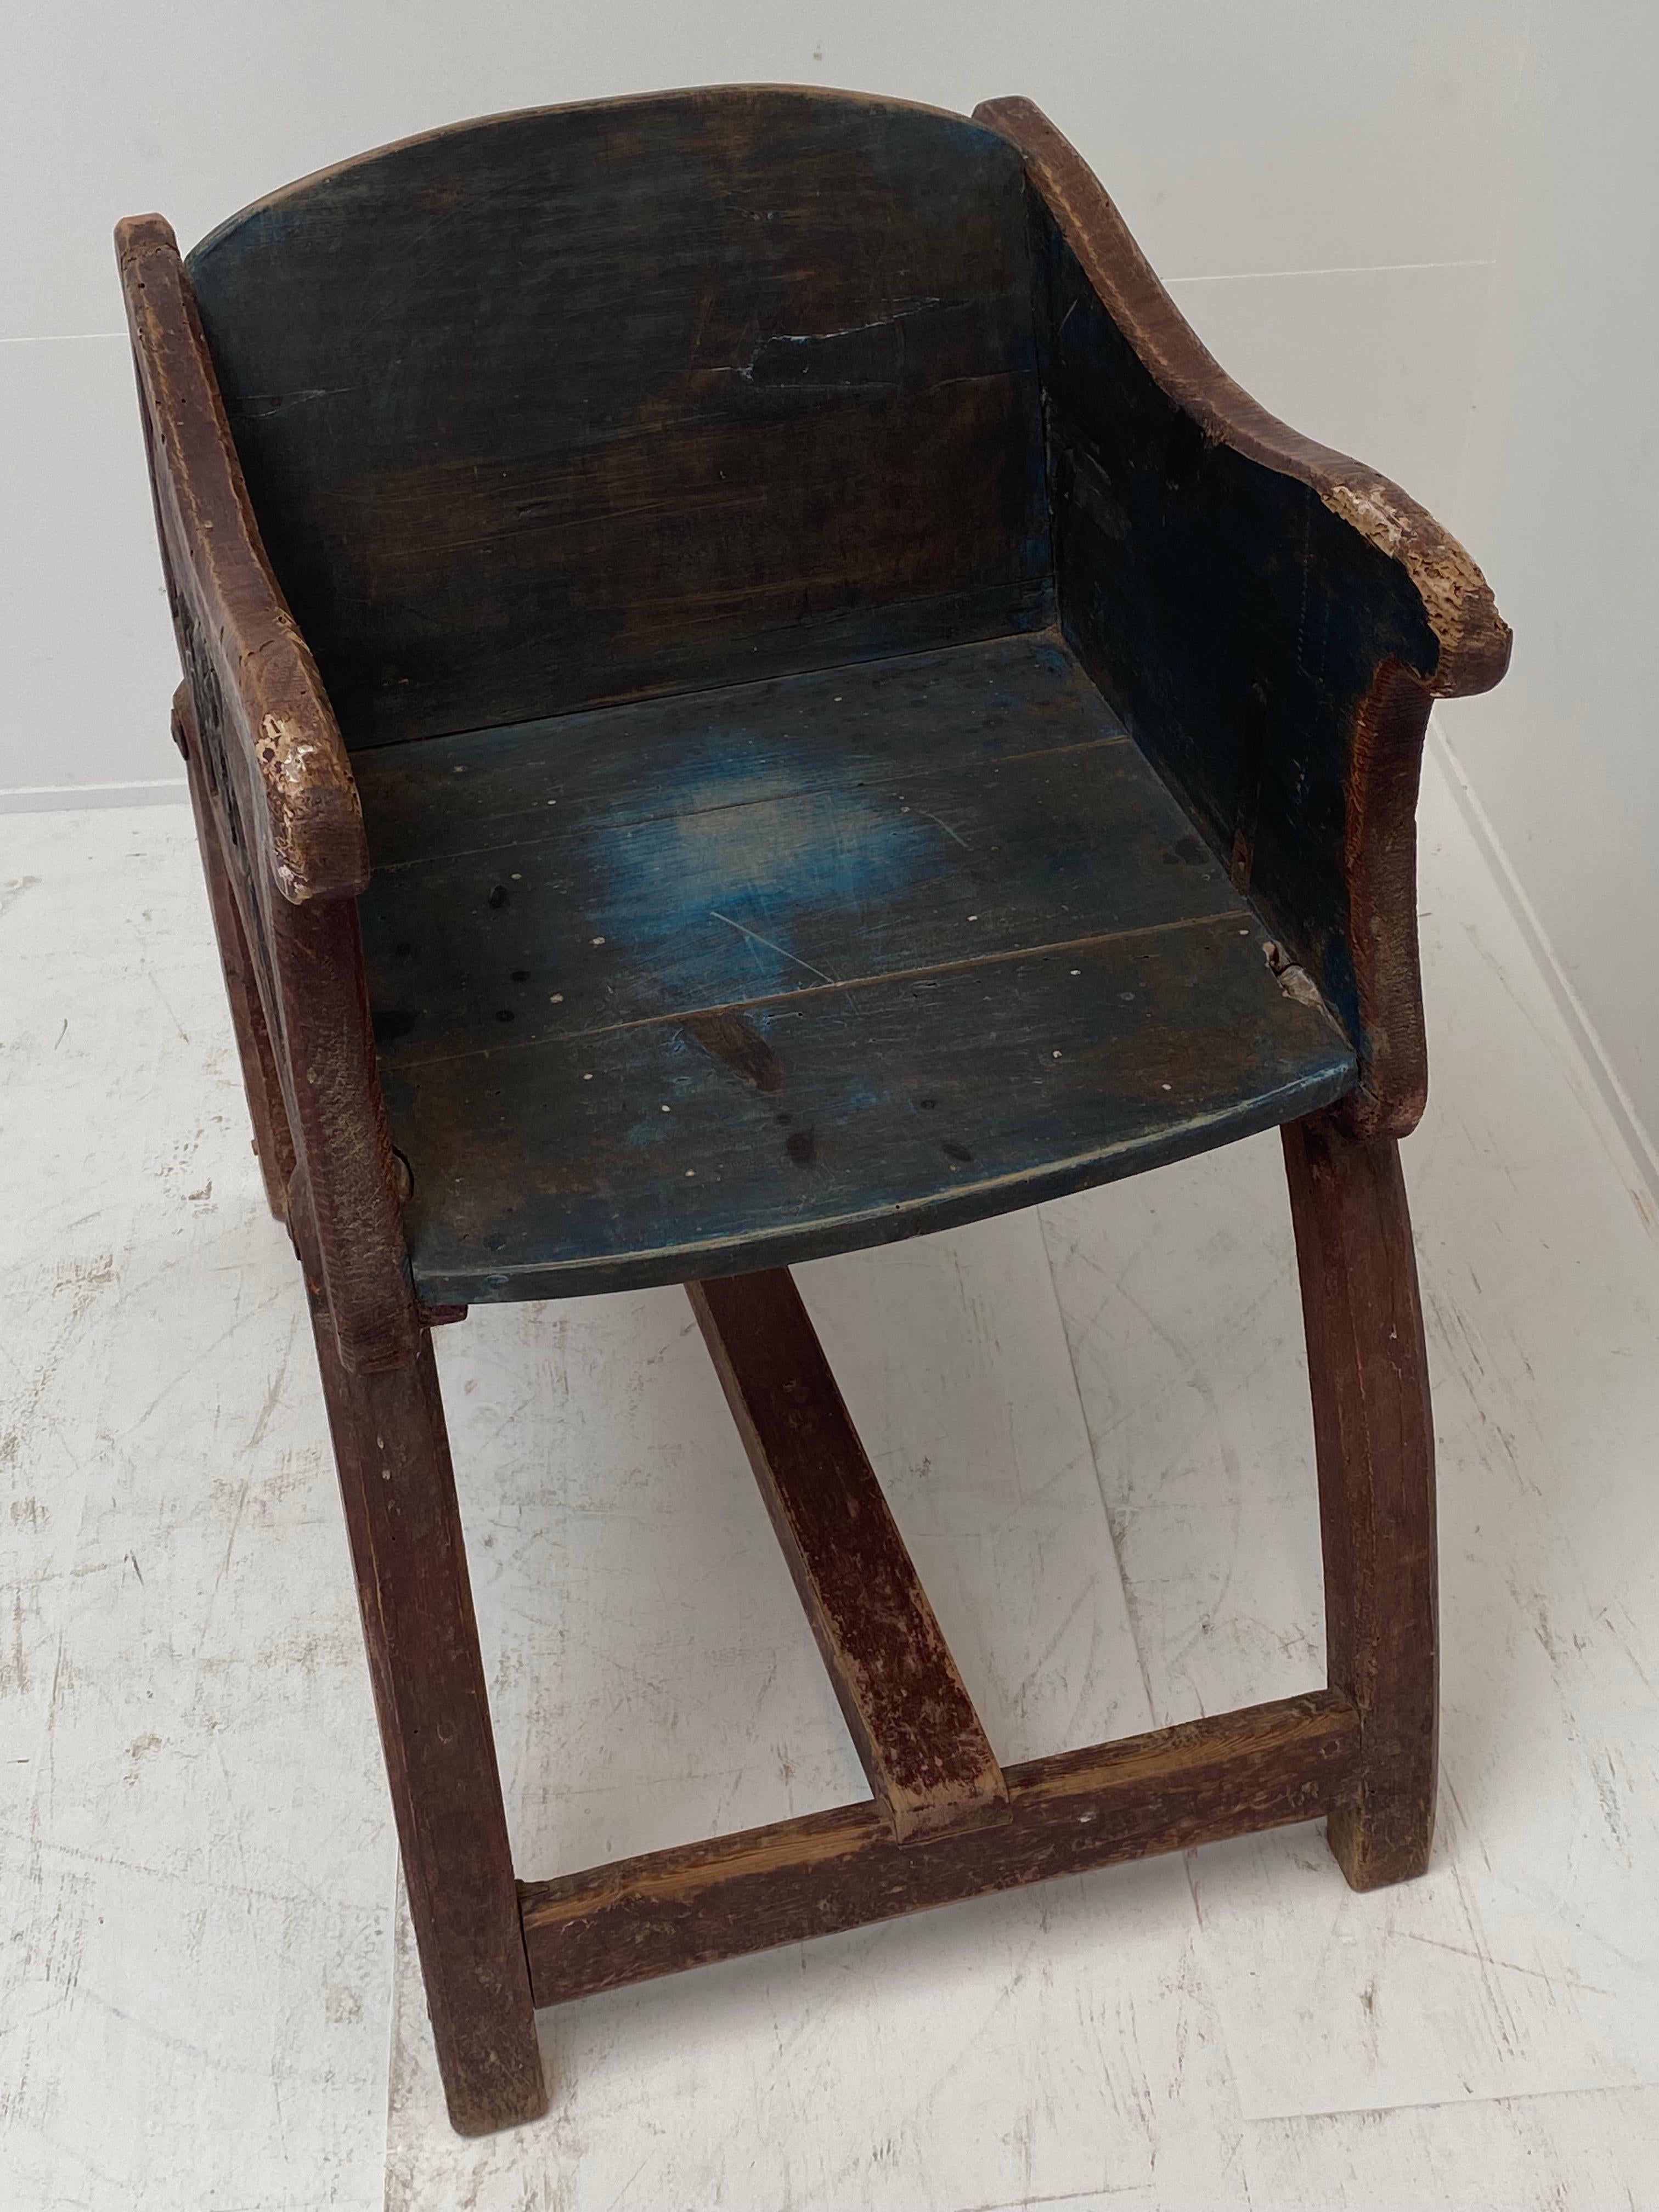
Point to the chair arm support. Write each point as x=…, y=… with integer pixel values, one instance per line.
x=277, y=806
x=1272, y=620
x=301, y=964
x=274, y=756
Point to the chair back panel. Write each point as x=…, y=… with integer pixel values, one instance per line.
x=584, y=403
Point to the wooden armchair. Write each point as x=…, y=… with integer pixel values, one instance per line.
x=751, y=691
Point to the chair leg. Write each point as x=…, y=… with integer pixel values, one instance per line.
x=1373, y=1442
x=399, y=1488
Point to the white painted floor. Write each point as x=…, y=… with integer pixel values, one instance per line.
x=1093, y=1427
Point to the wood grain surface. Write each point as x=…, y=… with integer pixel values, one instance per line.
x=591, y=402
x=278, y=764
x=1270, y=618
x=414, y=1598
x=271, y=778
x=1373, y=1442
x=852, y=956
x=273, y=1141
x=918, y=1736
x=1165, y=1791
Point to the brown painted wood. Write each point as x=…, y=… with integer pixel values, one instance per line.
x=1385, y=768
x=1169, y=1790
x=337, y=1115
x=259, y=697
x=272, y=1143
x=1374, y=1439
x=398, y=1491
x=929, y=1764
x=273, y=779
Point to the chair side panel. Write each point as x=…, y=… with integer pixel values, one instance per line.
x=1236, y=622
x=585, y=403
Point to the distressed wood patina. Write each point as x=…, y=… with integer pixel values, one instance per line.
x=745, y=978
x=751, y=689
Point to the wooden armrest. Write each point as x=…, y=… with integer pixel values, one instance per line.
x=1472, y=638
x=274, y=755
x=277, y=810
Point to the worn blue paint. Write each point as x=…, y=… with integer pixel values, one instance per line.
x=951, y=710
x=584, y=402
x=871, y=819
x=930, y=941
x=552, y=1171
x=1232, y=619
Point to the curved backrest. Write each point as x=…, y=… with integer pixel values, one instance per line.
x=575, y=404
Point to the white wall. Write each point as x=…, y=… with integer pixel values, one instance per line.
x=1374, y=210
x=1559, y=502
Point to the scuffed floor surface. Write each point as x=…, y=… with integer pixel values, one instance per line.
x=1093, y=1428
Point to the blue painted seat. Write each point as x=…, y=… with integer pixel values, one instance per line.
x=749, y=975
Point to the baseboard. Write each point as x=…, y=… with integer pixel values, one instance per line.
x=53, y=797
x=1621, y=1109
